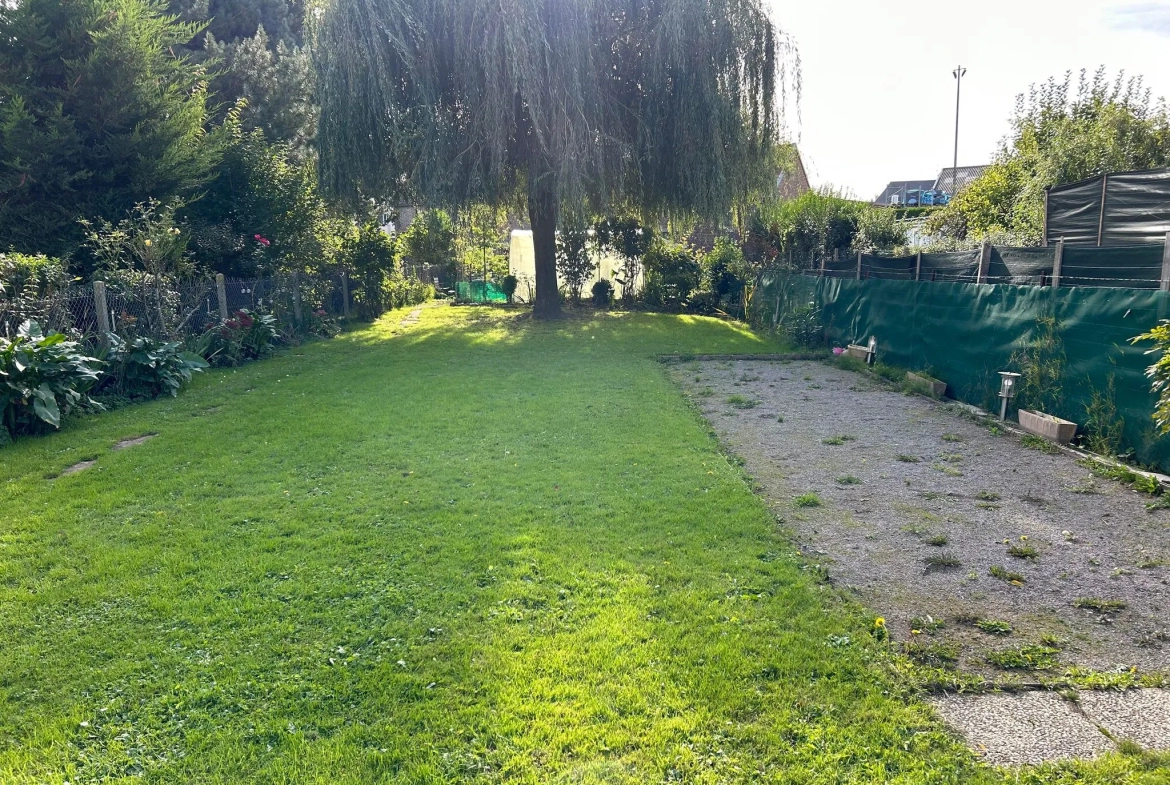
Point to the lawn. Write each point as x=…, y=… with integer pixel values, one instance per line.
x=476, y=550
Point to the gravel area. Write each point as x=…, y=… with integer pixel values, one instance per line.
x=1027, y=728
x=919, y=502
x=1142, y=716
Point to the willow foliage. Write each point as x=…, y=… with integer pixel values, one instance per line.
x=662, y=105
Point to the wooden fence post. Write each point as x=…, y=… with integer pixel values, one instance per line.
x=221, y=295
x=859, y=265
x=1101, y=215
x=984, y=261
x=100, y=308
x=298, y=315
x=1165, y=286
x=918, y=267
x=345, y=294
x=1058, y=262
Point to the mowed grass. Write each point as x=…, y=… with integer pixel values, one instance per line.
x=482, y=550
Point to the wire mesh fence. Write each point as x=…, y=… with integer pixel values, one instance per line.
x=1145, y=266
x=171, y=309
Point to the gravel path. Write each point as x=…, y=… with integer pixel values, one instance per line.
x=920, y=502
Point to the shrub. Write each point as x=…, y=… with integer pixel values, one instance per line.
x=602, y=293
x=672, y=273
x=724, y=271
x=573, y=262
x=147, y=368
x=42, y=377
x=510, y=282
x=246, y=336
x=803, y=325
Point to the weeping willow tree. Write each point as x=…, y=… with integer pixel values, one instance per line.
x=668, y=107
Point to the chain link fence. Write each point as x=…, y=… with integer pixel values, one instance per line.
x=176, y=310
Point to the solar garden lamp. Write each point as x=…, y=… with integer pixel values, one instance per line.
x=1007, y=391
x=871, y=349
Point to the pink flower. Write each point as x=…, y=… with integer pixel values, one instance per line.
x=261, y=239
x=837, y=350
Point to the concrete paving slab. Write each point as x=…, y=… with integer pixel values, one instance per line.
x=1024, y=728
x=1142, y=716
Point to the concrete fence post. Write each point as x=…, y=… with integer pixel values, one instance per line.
x=918, y=267
x=859, y=265
x=345, y=294
x=221, y=294
x=1058, y=262
x=984, y=261
x=100, y=308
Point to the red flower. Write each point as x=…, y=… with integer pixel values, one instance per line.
x=261, y=239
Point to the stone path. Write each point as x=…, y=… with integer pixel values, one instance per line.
x=1034, y=727
x=412, y=318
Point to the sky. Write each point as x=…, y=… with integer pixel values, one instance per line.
x=878, y=98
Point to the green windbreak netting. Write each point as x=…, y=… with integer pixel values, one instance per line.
x=480, y=292
x=1134, y=266
x=965, y=333
x=888, y=267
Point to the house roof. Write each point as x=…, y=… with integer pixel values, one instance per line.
x=901, y=187
x=790, y=185
x=965, y=175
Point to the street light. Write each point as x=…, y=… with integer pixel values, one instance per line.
x=958, y=73
x=1007, y=391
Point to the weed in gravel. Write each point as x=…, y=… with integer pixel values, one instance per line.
x=1007, y=575
x=927, y=624
x=907, y=458
x=1149, y=564
x=938, y=655
x=987, y=496
x=950, y=471
x=1161, y=502
x=740, y=402
x=814, y=387
x=987, y=505
x=952, y=457
x=938, y=540
x=1021, y=551
x=840, y=438
x=706, y=392
x=1086, y=487
x=807, y=500
x=942, y=561
x=952, y=437
x=808, y=378
x=1100, y=605
x=932, y=494
x=1030, y=657
x=849, y=479
x=780, y=418
x=994, y=626
x=1033, y=442
x=1139, y=482
x=994, y=430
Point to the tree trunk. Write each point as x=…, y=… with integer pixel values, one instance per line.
x=542, y=213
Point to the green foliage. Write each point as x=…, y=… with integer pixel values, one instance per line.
x=818, y=225
x=1100, y=605
x=931, y=653
x=429, y=242
x=1006, y=575
x=30, y=277
x=629, y=240
x=147, y=368
x=672, y=273
x=602, y=293
x=804, y=325
x=807, y=500
x=1039, y=443
x=725, y=271
x=1120, y=473
x=482, y=242
x=97, y=114
x=994, y=627
x=1159, y=372
x=372, y=256
x=263, y=213
x=1040, y=359
x=1031, y=657
x=508, y=287
x=243, y=337
x=573, y=262
x=42, y=377
x=1104, y=428
x=1059, y=137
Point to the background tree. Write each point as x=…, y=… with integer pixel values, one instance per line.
x=97, y=114
x=573, y=261
x=665, y=105
x=429, y=242
x=1058, y=137
x=483, y=241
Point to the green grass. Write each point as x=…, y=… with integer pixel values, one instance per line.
x=994, y=627
x=1030, y=657
x=807, y=500
x=1006, y=575
x=1100, y=605
x=838, y=439
x=1034, y=442
x=483, y=550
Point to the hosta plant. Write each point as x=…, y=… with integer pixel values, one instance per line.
x=145, y=367
x=42, y=377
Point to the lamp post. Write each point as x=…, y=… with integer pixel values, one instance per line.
x=958, y=73
x=1007, y=391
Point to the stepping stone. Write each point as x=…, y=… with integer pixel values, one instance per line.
x=1025, y=728
x=1137, y=715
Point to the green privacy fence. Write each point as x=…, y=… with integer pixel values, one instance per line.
x=964, y=333
x=480, y=292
